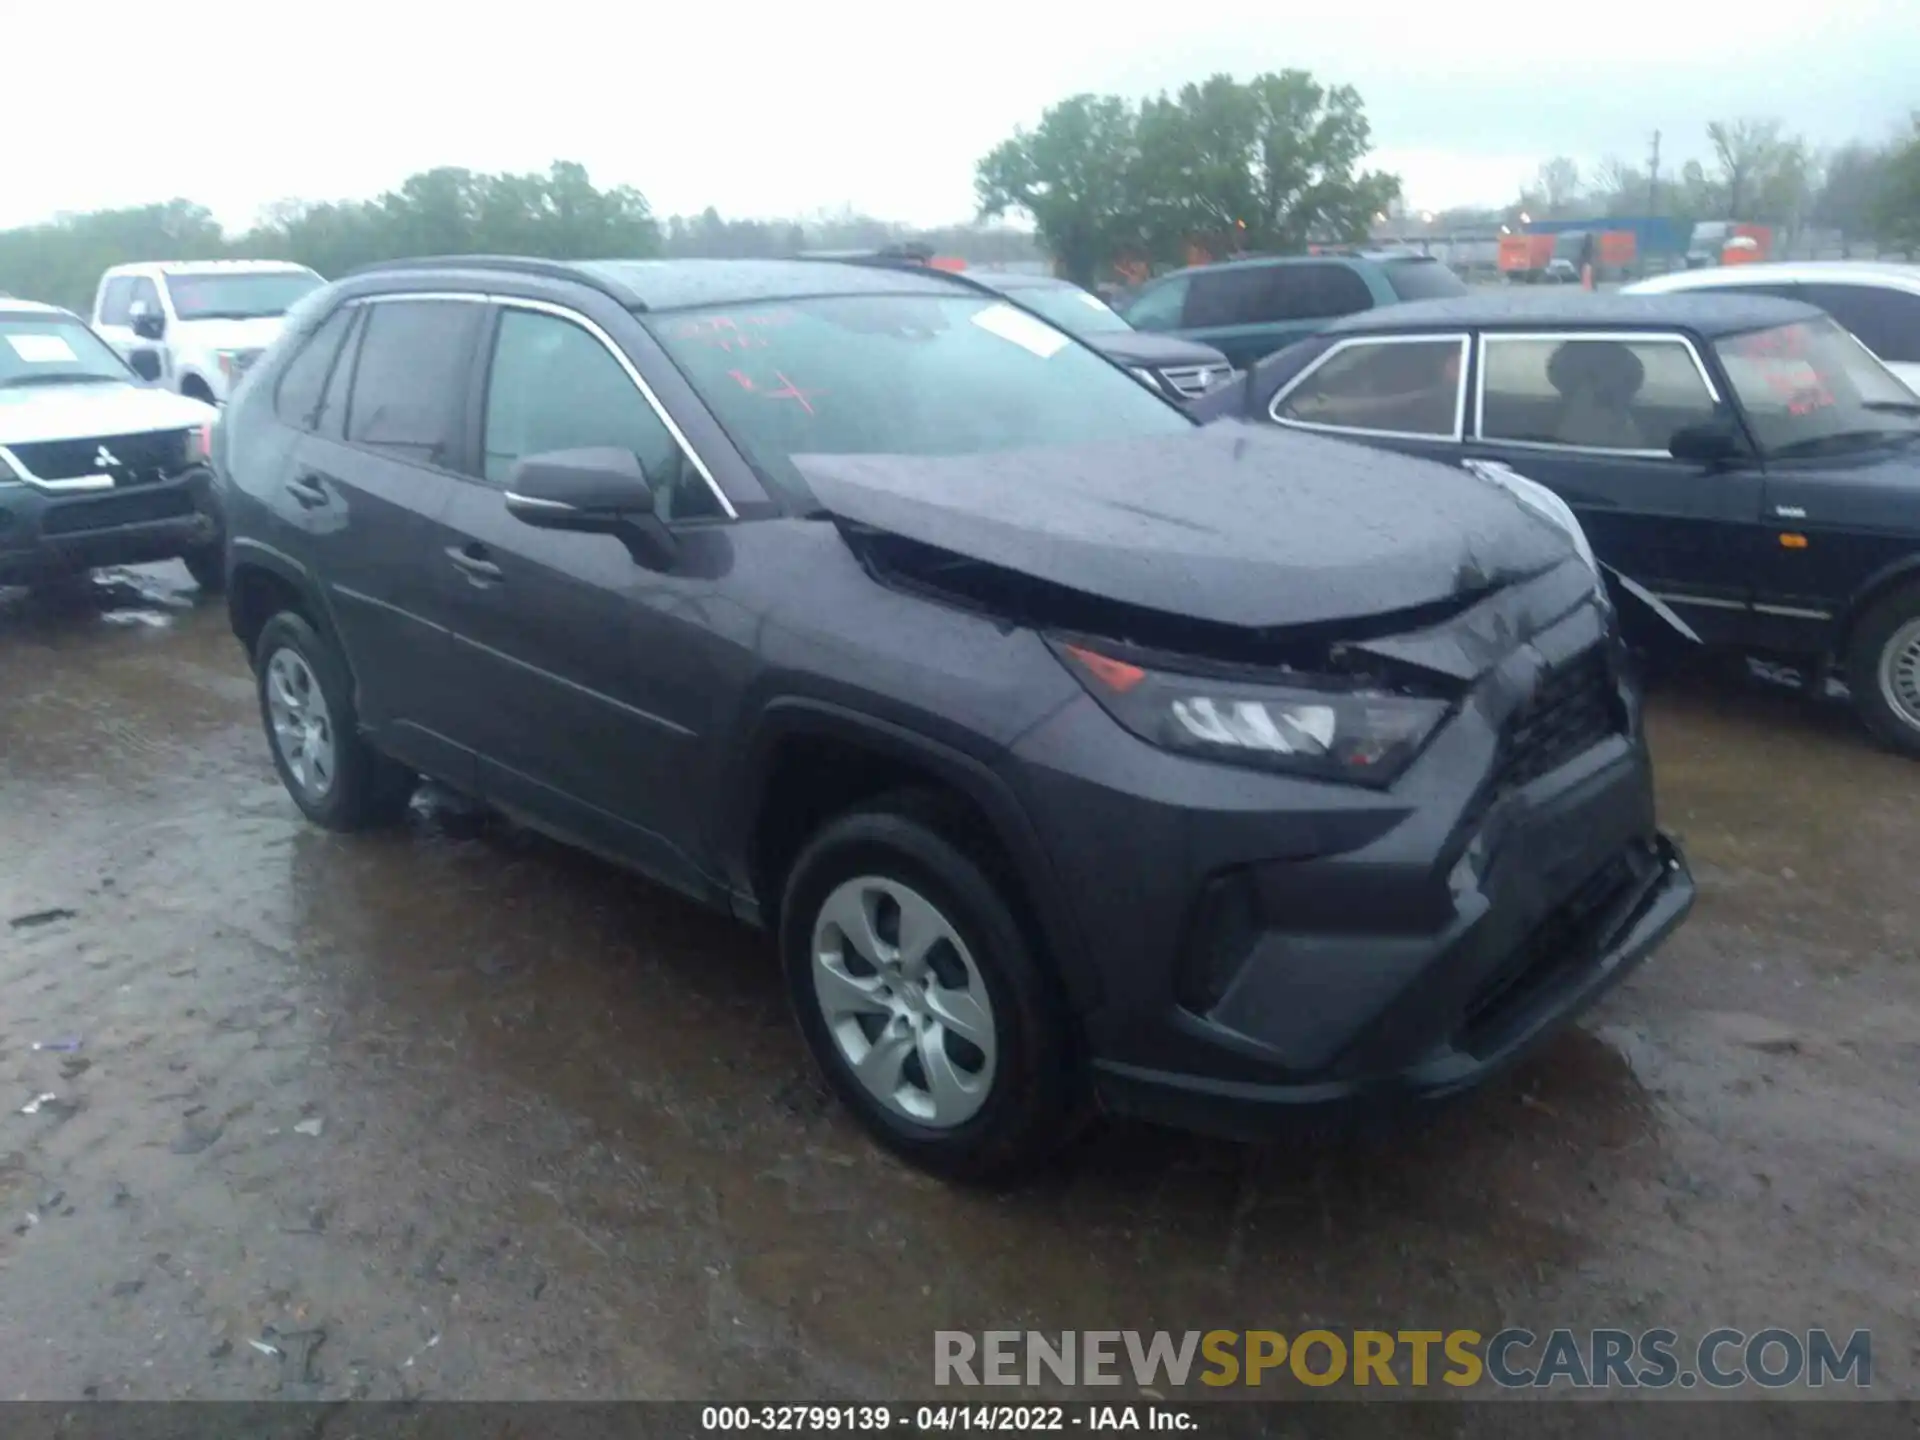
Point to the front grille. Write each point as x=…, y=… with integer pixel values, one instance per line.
x=1192, y=380
x=1575, y=707
x=104, y=512
x=129, y=459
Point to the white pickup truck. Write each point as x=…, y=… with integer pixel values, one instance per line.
x=194, y=326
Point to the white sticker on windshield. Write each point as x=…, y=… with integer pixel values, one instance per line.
x=42, y=349
x=1031, y=335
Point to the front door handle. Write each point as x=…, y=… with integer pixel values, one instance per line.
x=471, y=561
x=308, y=491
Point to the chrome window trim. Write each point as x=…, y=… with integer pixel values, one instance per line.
x=1656, y=337
x=563, y=312
x=1460, y=338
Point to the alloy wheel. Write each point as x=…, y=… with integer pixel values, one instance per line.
x=1900, y=672
x=302, y=725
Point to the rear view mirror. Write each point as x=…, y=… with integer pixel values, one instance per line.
x=594, y=492
x=1712, y=444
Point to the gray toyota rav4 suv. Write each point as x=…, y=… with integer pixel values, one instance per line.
x=1077, y=755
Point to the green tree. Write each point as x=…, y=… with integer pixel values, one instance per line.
x=1075, y=174
x=1895, y=211
x=1855, y=175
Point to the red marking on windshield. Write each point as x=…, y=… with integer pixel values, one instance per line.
x=733, y=332
x=790, y=391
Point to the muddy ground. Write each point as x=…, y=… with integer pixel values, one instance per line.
x=454, y=1112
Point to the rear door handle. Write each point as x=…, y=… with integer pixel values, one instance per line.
x=308, y=491
x=471, y=561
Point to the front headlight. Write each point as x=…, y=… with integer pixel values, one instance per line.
x=1318, y=729
x=1147, y=378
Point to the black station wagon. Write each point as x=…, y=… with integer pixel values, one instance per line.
x=1742, y=465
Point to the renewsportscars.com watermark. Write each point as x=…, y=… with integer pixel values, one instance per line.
x=1508, y=1359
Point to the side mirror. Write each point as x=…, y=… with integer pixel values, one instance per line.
x=591, y=492
x=146, y=324
x=1712, y=444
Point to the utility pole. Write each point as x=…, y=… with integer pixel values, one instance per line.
x=1653, y=177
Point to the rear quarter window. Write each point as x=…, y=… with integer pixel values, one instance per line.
x=1424, y=280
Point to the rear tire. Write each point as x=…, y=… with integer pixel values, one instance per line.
x=983, y=1053
x=306, y=704
x=1883, y=670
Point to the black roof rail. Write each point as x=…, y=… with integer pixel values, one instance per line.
x=579, y=272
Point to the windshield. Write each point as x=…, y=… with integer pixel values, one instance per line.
x=238, y=296
x=1071, y=308
x=901, y=375
x=54, y=350
x=1811, y=388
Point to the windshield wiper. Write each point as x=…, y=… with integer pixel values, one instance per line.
x=1892, y=407
x=18, y=380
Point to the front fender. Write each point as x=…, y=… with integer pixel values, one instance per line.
x=788, y=717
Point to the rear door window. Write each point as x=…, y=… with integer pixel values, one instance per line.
x=1320, y=291
x=297, y=400
x=1242, y=295
x=1423, y=280
x=1591, y=392
x=1885, y=320
x=411, y=379
x=1388, y=386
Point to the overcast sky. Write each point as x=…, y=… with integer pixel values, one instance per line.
x=774, y=110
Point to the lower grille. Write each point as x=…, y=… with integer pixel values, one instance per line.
x=1574, y=708
x=1566, y=941
x=129, y=459
x=75, y=517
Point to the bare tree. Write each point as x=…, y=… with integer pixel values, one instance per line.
x=1558, y=183
x=1745, y=151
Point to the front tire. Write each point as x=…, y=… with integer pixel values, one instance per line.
x=306, y=703
x=921, y=996
x=1883, y=670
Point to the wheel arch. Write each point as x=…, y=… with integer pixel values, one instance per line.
x=261, y=582
x=1871, y=591
x=794, y=740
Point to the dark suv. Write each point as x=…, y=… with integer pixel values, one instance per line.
x=1252, y=307
x=1070, y=749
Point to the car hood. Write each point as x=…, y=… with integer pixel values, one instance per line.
x=1230, y=523
x=1142, y=347
x=254, y=334
x=32, y=413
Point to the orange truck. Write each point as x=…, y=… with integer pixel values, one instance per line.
x=1728, y=242
x=1524, y=257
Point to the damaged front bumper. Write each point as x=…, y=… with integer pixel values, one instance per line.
x=1266, y=947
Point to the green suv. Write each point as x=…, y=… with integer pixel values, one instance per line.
x=1249, y=308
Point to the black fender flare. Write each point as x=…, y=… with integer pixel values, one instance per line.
x=1868, y=592
x=248, y=553
x=787, y=717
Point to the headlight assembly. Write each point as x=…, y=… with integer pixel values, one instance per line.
x=1322, y=729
